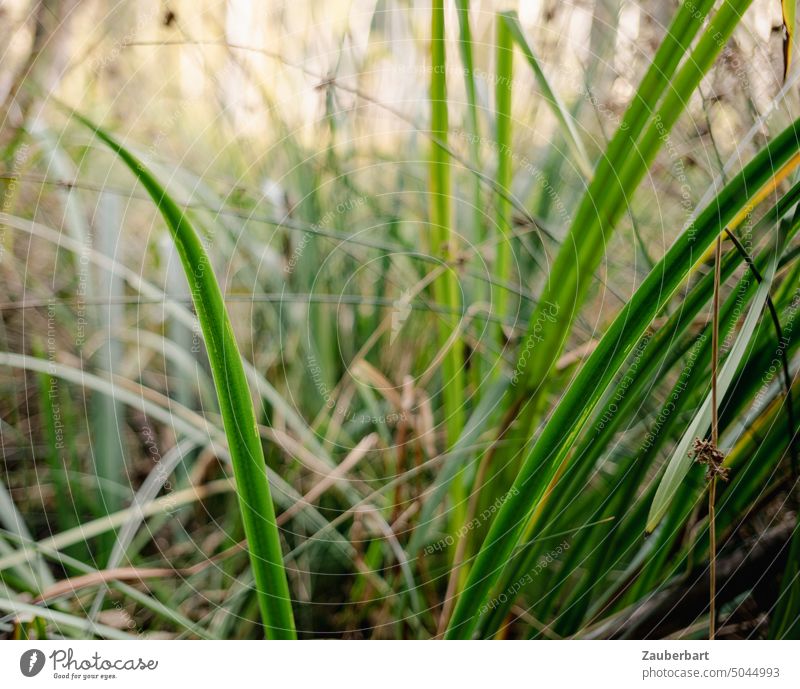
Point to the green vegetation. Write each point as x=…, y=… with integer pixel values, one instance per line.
x=430, y=353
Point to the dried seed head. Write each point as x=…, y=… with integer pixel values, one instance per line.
x=705, y=452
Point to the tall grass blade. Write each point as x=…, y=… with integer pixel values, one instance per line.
x=238, y=414
x=473, y=129
x=504, y=79
x=443, y=242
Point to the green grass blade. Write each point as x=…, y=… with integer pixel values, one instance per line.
x=10, y=518
x=465, y=50
x=446, y=286
x=473, y=128
x=512, y=30
x=48, y=394
x=484, y=414
x=198, y=428
x=503, y=83
x=108, y=447
x=473, y=124
x=238, y=414
x=687, y=395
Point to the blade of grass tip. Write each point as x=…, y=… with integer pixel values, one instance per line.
x=473, y=129
x=560, y=432
x=513, y=31
x=680, y=461
x=236, y=405
x=788, y=11
x=445, y=287
x=504, y=66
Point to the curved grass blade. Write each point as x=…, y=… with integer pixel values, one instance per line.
x=195, y=428
x=182, y=420
x=688, y=394
x=10, y=517
x=568, y=129
x=236, y=405
x=147, y=601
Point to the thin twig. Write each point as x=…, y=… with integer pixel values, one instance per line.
x=712, y=492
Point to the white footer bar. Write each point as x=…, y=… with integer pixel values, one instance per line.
x=400, y=664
